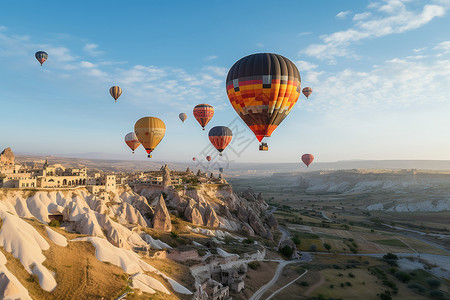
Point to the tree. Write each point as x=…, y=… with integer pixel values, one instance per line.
x=327, y=246
x=287, y=251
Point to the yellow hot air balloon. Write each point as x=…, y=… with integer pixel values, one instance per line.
x=149, y=131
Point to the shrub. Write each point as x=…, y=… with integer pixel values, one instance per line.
x=402, y=276
x=348, y=283
x=437, y=294
x=254, y=265
x=331, y=286
x=327, y=246
x=351, y=275
x=433, y=283
x=390, y=256
x=173, y=234
x=249, y=241
x=54, y=223
x=287, y=251
x=386, y=295
x=342, y=285
x=304, y=283
x=313, y=248
x=296, y=240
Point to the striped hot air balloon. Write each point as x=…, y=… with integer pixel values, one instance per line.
x=150, y=131
x=263, y=88
x=307, y=91
x=203, y=113
x=307, y=159
x=132, y=141
x=115, y=92
x=41, y=56
x=220, y=137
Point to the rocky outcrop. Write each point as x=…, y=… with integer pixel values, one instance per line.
x=192, y=214
x=210, y=217
x=7, y=157
x=272, y=222
x=256, y=224
x=167, y=180
x=161, y=218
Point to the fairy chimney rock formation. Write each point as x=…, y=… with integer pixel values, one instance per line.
x=161, y=218
x=166, y=176
x=7, y=157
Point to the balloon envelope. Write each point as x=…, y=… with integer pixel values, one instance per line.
x=132, y=141
x=115, y=92
x=41, y=56
x=307, y=159
x=307, y=91
x=182, y=117
x=221, y=170
x=220, y=137
x=203, y=113
x=208, y=158
x=263, y=88
x=150, y=131
x=193, y=158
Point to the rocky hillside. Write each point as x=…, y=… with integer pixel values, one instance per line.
x=401, y=191
x=116, y=225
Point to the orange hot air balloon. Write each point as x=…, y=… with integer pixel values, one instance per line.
x=307, y=159
x=220, y=137
x=182, y=117
x=208, y=158
x=263, y=89
x=115, y=92
x=307, y=91
x=150, y=131
x=203, y=113
x=132, y=141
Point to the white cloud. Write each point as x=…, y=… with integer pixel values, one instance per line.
x=343, y=14
x=304, y=33
x=260, y=45
x=3, y=28
x=305, y=66
x=397, y=19
x=418, y=50
x=211, y=57
x=361, y=16
x=444, y=47
x=92, y=49
x=86, y=65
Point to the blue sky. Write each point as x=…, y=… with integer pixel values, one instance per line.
x=380, y=73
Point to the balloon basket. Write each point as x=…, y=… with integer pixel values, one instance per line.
x=263, y=147
x=149, y=156
x=220, y=154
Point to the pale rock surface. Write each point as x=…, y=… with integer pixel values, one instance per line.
x=161, y=218
x=56, y=238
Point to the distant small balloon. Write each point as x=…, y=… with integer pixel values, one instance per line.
x=193, y=158
x=307, y=159
x=307, y=91
x=132, y=141
x=220, y=137
x=182, y=117
x=115, y=92
x=221, y=170
x=41, y=56
x=208, y=158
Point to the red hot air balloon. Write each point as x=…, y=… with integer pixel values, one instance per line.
x=307, y=159
x=220, y=137
x=132, y=141
x=193, y=158
x=203, y=113
x=307, y=91
x=208, y=158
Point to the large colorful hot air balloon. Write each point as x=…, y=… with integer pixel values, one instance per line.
x=221, y=170
x=307, y=91
x=263, y=88
x=41, y=56
x=307, y=159
x=208, y=158
x=220, y=137
x=115, y=92
x=150, y=131
x=203, y=113
x=182, y=117
x=132, y=141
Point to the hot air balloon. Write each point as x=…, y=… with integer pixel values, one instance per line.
x=208, y=158
x=182, y=117
x=220, y=137
x=307, y=91
x=307, y=159
x=149, y=131
x=41, y=56
x=132, y=141
x=221, y=170
x=203, y=113
x=115, y=92
x=193, y=158
x=263, y=88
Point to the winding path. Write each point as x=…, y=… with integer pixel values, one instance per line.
x=285, y=286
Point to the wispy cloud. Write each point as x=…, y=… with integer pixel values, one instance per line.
x=304, y=33
x=92, y=49
x=211, y=57
x=343, y=14
x=396, y=18
x=362, y=16
x=443, y=47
